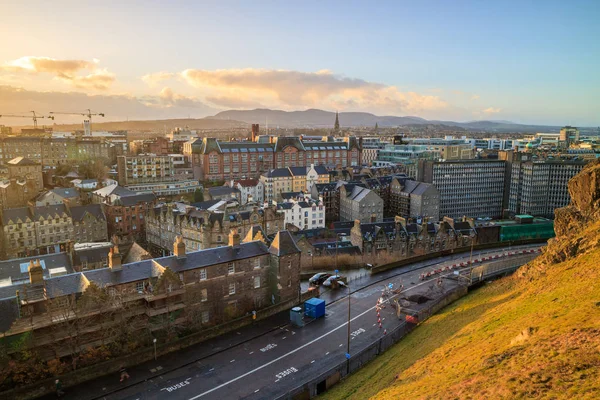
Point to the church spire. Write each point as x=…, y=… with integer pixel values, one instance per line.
x=336, y=127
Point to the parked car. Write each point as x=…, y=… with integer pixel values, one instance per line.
x=318, y=279
x=333, y=281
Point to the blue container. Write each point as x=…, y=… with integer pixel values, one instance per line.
x=314, y=308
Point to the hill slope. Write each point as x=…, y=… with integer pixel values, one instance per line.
x=534, y=334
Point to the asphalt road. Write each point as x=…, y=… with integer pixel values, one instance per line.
x=274, y=363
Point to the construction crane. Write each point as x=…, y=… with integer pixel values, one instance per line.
x=34, y=116
x=87, y=114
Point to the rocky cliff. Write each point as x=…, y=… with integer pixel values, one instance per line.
x=577, y=226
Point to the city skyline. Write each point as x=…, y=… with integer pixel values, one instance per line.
x=460, y=62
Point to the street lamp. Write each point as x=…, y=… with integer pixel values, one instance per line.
x=154, y=341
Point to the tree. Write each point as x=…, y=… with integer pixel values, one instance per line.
x=198, y=196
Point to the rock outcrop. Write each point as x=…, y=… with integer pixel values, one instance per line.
x=577, y=226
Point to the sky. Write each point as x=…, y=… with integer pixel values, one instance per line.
x=522, y=61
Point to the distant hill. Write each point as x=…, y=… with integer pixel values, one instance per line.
x=157, y=125
x=314, y=118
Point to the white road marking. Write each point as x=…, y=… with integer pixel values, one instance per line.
x=284, y=338
x=210, y=370
x=251, y=352
x=327, y=353
x=312, y=361
x=293, y=351
x=341, y=345
x=232, y=361
x=256, y=391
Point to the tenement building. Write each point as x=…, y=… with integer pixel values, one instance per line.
x=473, y=188
x=204, y=229
x=185, y=292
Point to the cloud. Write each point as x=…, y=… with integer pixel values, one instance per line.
x=491, y=110
x=475, y=97
x=157, y=77
x=116, y=107
x=294, y=89
x=233, y=102
x=170, y=99
x=64, y=70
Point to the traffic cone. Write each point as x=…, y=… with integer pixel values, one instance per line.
x=379, y=320
x=385, y=331
x=380, y=325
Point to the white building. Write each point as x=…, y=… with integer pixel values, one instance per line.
x=251, y=190
x=303, y=213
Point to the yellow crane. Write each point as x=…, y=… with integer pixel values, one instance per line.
x=34, y=116
x=87, y=114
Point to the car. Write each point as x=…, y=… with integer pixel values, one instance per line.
x=329, y=281
x=318, y=279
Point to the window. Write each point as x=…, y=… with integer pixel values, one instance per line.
x=204, y=295
x=256, y=282
x=139, y=287
x=231, y=288
x=205, y=317
x=203, y=274
x=231, y=268
x=257, y=263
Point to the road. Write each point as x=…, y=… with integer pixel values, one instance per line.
x=276, y=362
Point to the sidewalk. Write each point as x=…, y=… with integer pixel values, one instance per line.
x=107, y=384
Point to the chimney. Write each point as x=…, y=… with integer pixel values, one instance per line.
x=373, y=217
x=36, y=272
x=450, y=221
x=400, y=220
x=114, y=259
x=179, y=247
x=234, y=237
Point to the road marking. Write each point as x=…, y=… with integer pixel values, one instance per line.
x=211, y=370
x=341, y=345
x=293, y=351
x=284, y=338
x=268, y=347
x=374, y=324
x=251, y=352
x=256, y=391
x=327, y=353
x=287, y=372
x=277, y=380
x=312, y=361
x=177, y=386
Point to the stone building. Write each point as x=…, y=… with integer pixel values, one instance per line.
x=188, y=291
x=89, y=223
x=361, y=204
x=412, y=199
x=205, y=229
x=58, y=196
x=24, y=169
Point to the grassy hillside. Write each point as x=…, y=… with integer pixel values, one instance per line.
x=514, y=338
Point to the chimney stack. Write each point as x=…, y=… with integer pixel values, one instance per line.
x=254, y=132
x=36, y=272
x=234, y=238
x=179, y=247
x=114, y=259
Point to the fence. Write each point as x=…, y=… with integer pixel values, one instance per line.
x=333, y=375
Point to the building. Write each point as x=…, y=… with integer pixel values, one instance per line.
x=216, y=160
x=202, y=228
x=48, y=229
x=125, y=212
x=251, y=190
x=303, y=213
x=412, y=199
x=568, y=135
x=23, y=169
x=359, y=203
x=58, y=196
x=538, y=186
x=277, y=181
x=16, y=193
x=187, y=291
x=223, y=193
x=467, y=187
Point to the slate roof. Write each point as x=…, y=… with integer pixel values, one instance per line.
x=66, y=193
x=326, y=187
x=78, y=212
x=283, y=244
x=248, y=182
x=94, y=254
x=16, y=269
x=290, y=195
x=279, y=173
x=321, y=170
x=114, y=190
x=298, y=171
x=137, y=198
x=14, y=214
x=205, y=205
x=22, y=161
x=49, y=211
x=222, y=191
x=358, y=193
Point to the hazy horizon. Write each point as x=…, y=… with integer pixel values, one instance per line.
x=462, y=61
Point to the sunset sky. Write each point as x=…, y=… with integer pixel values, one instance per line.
x=527, y=62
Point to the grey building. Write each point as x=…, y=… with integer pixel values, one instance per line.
x=473, y=188
x=359, y=203
x=414, y=199
x=538, y=187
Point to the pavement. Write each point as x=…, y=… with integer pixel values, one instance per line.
x=270, y=358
